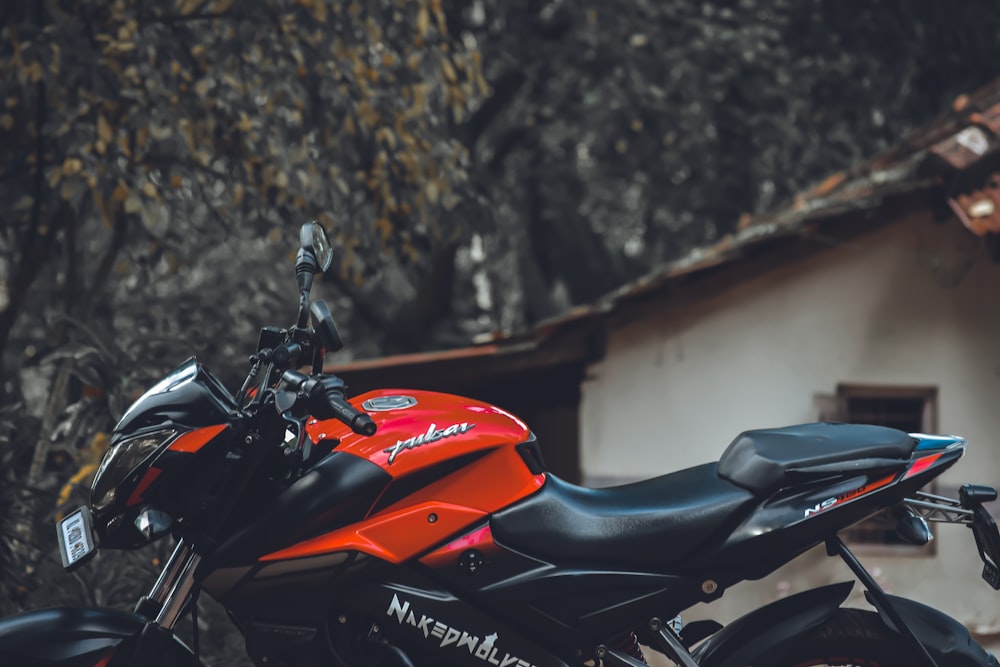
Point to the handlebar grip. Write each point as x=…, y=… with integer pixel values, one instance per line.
x=329, y=403
x=359, y=421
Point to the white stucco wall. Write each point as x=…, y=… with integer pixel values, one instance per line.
x=677, y=385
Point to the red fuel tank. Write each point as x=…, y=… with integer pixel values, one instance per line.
x=441, y=448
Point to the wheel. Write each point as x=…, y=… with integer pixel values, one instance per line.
x=849, y=637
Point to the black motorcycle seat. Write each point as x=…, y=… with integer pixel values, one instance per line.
x=766, y=460
x=648, y=524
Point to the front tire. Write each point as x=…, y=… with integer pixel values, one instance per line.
x=849, y=637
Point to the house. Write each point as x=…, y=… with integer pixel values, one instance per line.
x=872, y=297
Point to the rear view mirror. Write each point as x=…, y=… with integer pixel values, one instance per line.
x=312, y=237
x=325, y=328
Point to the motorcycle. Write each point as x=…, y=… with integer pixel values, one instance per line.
x=402, y=528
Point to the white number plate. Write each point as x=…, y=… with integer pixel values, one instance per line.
x=76, y=538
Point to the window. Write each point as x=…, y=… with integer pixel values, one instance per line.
x=910, y=409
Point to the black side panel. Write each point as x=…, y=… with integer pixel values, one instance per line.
x=339, y=490
x=73, y=636
x=434, y=627
x=744, y=640
x=947, y=640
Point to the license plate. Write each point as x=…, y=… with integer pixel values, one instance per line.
x=76, y=538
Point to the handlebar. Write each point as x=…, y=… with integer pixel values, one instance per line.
x=326, y=400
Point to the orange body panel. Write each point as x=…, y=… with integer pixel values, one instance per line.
x=194, y=440
x=480, y=442
x=480, y=539
x=143, y=484
x=490, y=428
x=393, y=537
x=921, y=465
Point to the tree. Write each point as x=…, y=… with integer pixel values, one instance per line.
x=158, y=155
x=624, y=134
x=148, y=133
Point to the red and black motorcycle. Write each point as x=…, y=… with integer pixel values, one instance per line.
x=404, y=528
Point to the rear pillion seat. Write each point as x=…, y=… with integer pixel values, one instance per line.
x=766, y=460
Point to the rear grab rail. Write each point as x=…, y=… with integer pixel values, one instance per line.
x=966, y=510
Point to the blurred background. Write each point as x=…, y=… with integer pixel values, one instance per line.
x=643, y=226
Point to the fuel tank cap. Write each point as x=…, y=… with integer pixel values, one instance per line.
x=386, y=403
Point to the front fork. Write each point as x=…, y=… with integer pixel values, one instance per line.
x=171, y=593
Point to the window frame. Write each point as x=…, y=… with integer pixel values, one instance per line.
x=929, y=424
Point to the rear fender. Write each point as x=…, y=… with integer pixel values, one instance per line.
x=71, y=637
x=947, y=640
x=744, y=640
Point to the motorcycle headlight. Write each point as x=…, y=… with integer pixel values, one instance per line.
x=119, y=461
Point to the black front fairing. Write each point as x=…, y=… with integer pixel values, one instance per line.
x=189, y=396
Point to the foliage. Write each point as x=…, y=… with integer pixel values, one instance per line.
x=147, y=133
x=629, y=132
x=158, y=155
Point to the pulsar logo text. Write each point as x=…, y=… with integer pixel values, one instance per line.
x=484, y=649
x=433, y=434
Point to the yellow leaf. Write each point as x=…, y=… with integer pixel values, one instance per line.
x=367, y=114
x=432, y=191
x=384, y=229
x=72, y=165
x=319, y=11
x=79, y=478
x=384, y=135
x=102, y=206
x=186, y=7
x=149, y=189
x=448, y=70
x=70, y=188
x=121, y=192
x=133, y=204
x=123, y=144
x=423, y=22
x=33, y=71
x=238, y=195
x=439, y=16
x=104, y=130
x=54, y=65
